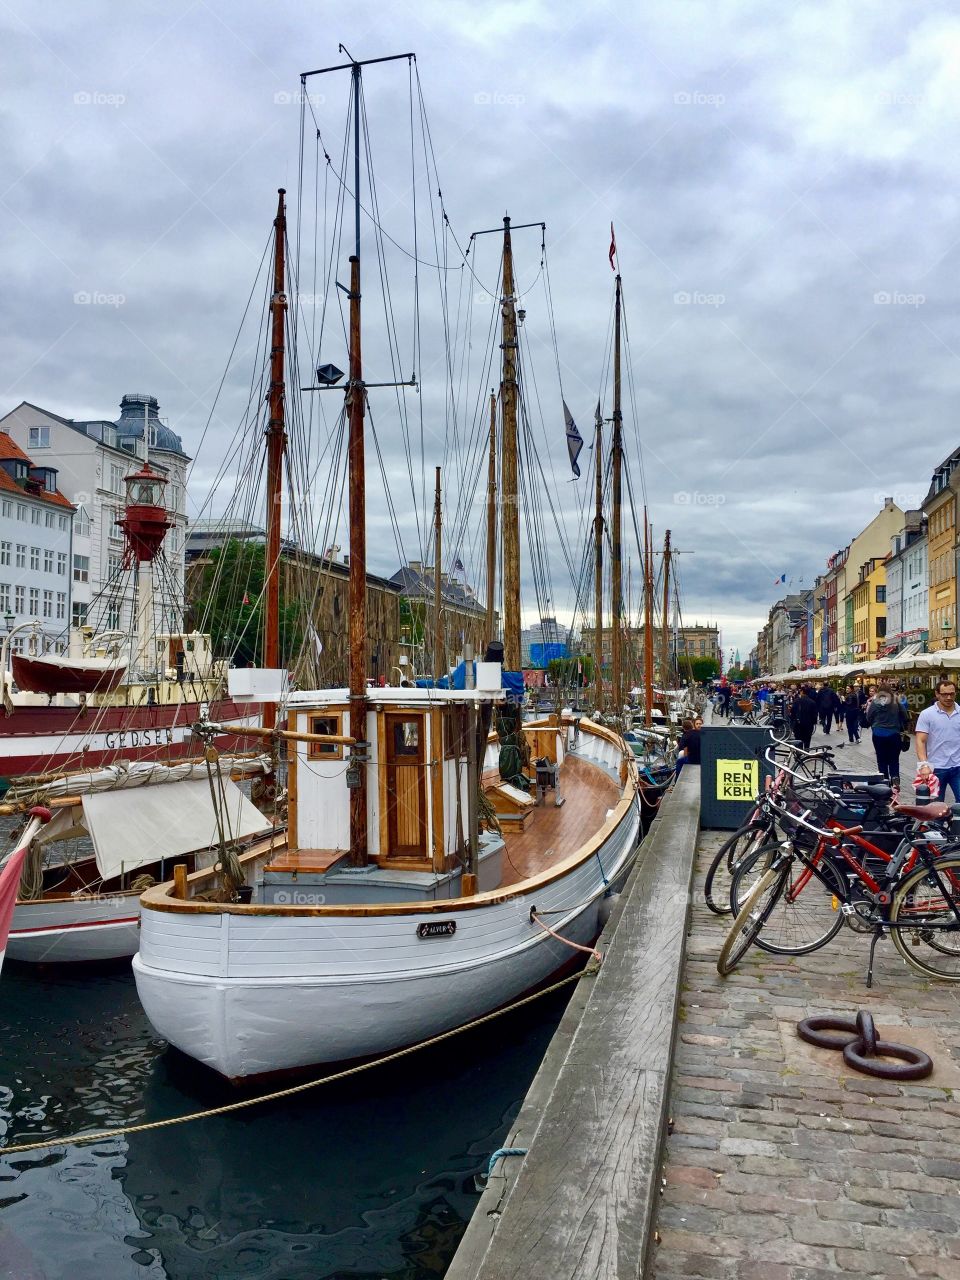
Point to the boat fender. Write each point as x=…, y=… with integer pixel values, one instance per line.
x=605, y=909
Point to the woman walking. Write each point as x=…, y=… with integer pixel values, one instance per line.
x=887, y=720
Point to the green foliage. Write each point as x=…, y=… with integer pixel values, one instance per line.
x=739, y=673
x=563, y=671
x=236, y=572
x=701, y=668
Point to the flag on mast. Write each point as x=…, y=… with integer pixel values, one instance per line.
x=574, y=440
x=613, y=247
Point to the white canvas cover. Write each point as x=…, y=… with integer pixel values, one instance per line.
x=130, y=829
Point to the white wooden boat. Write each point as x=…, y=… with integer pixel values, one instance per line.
x=138, y=819
x=331, y=962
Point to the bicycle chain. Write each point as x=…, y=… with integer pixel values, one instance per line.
x=861, y=1047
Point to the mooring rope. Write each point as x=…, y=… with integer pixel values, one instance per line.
x=104, y=1134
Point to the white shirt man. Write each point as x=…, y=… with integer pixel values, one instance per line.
x=938, y=739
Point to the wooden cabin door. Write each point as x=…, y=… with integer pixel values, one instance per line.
x=406, y=786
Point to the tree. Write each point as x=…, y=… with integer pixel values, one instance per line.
x=231, y=603
x=563, y=671
x=739, y=673
x=703, y=668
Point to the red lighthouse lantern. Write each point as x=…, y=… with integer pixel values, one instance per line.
x=144, y=522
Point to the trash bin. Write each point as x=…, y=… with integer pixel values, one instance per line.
x=732, y=772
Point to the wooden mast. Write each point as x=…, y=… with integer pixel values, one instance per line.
x=510, y=508
x=492, y=523
x=438, y=663
x=647, y=624
x=356, y=395
x=616, y=568
x=276, y=446
x=598, y=567
x=665, y=649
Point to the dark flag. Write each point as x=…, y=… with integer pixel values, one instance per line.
x=613, y=247
x=574, y=440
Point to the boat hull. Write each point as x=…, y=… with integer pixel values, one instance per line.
x=251, y=994
x=75, y=930
x=44, y=739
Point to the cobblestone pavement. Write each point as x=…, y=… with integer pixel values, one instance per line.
x=782, y=1164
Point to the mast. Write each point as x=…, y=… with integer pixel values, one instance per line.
x=647, y=624
x=665, y=647
x=492, y=522
x=510, y=510
x=598, y=568
x=356, y=395
x=616, y=607
x=438, y=670
x=276, y=446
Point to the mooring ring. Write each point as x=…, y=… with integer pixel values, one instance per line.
x=914, y=1063
x=812, y=1029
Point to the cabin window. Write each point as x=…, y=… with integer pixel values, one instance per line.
x=324, y=750
x=406, y=738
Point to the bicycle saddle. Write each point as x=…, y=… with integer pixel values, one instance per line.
x=934, y=812
x=875, y=790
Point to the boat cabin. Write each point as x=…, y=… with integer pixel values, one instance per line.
x=417, y=794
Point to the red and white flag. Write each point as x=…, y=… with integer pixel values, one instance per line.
x=9, y=886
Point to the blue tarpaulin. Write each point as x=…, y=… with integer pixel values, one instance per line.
x=512, y=681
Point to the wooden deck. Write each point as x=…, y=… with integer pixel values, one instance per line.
x=553, y=834
x=316, y=860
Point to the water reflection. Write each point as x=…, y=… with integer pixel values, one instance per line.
x=371, y=1177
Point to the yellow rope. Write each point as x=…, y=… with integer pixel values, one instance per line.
x=104, y=1134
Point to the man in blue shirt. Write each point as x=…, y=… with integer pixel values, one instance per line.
x=938, y=738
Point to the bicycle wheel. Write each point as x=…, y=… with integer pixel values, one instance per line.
x=926, y=912
x=805, y=916
x=716, y=886
x=752, y=918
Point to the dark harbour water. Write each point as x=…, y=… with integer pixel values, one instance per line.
x=370, y=1179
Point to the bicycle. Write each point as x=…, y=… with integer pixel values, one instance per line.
x=920, y=900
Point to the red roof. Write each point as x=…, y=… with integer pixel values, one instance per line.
x=10, y=449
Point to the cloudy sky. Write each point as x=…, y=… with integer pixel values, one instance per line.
x=782, y=180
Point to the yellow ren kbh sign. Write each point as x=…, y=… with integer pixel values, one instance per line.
x=737, y=779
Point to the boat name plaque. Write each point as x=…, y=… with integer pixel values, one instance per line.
x=437, y=929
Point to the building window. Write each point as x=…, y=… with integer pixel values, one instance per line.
x=82, y=524
x=48, y=562
x=81, y=568
x=64, y=523
x=21, y=556
x=34, y=600
x=6, y=548
x=62, y=563
x=4, y=597
x=113, y=566
x=39, y=437
x=51, y=520
x=35, y=559
x=21, y=511
x=35, y=515
x=7, y=509
x=113, y=618
x=18, y=598
x=325, y=750
x=116, y=478
x=61, y=605
x=79, y=613
x=48, y=604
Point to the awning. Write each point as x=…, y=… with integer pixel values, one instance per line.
x=130, y=829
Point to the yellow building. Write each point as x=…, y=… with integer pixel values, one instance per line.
x=869, y=600
x=818, y=632
x=872, y=543
x=940, y=508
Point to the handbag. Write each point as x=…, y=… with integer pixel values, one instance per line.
x=904, y=742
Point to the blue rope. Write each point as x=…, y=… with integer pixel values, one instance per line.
x=504, y=1151
x=606, y=882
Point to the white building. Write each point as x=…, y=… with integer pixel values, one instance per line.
x=906, y=591
x=93, y=459
x=35, y=547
